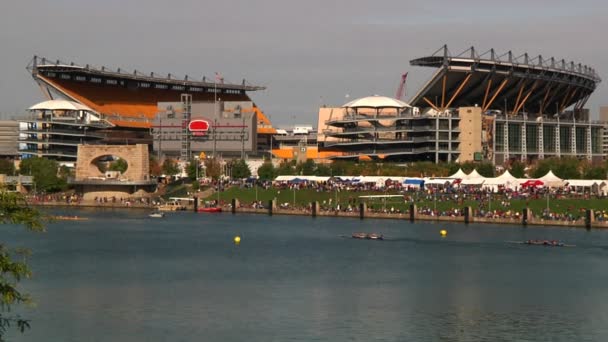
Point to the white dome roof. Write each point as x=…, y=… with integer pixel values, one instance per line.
x=376, y=101
x=60, y=105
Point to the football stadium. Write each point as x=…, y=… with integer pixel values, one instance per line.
x=88, y=104
x=476, y=106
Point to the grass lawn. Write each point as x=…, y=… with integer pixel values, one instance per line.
x=306, y=196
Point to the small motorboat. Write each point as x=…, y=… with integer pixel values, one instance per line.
x=210, y=210
x=157, y=215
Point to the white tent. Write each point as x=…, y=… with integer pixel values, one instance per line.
x=474, y=175
x=458, y=175
x=506, y=179
x=595, y=185
x=551, y=180
x=438, y=181
x=473, y=181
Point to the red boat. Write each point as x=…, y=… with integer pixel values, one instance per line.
x=210, y=210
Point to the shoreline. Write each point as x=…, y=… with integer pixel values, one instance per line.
x=227, y=209
x=419, y=217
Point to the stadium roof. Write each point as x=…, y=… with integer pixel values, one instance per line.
x=42, y=64
x=376, y=101
x=515, y=83
x=60, y=105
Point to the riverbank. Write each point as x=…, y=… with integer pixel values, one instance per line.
x=530, y=221
x=408, y=215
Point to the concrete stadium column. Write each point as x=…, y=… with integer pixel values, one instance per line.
x=413, y=211
x=362, y=209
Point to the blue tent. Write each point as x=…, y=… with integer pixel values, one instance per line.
x=297, y=180
x=413, y=181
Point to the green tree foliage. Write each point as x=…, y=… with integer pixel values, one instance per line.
x=287, y=168
x=240, y=169
x=45, y=172
x=267, y=171
x=170, y=167
x=192, y=171
x=485, y=169
x=341, y=167
x=7, y=167
x=564, y=167
x=119, y=165
x=213, y=169
x=517, y=169
x=322, y=170
x=13, y=266
x=306, y=168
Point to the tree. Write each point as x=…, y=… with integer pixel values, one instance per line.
x=119, y=165
x=191, y=169
x=564, y=167
x=517, y=169
x=155, y=167
x=287, y=168
x=306, y=168
x=267, y=171
x=240, y=169
x=7, y=167
x=213, y=168
x=45, y=172
x=170, y=167
x=14, y=210
x=322, y=170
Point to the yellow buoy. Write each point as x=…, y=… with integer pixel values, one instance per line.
x=237, y=240
x=443, y=232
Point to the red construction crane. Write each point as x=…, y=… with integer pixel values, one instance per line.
x=401, y=89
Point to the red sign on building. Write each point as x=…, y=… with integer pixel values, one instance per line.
x=198, y=126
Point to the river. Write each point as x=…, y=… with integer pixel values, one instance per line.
x=121, y=276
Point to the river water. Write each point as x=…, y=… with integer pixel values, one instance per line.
x=121, y=276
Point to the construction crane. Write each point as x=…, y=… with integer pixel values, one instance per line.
x=401, y=90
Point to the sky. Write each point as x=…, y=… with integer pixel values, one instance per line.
x=307, y=53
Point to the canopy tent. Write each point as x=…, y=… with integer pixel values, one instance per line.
x=551, y=180
x=531, y=183
x=474, y=175
x=473, y=181
x=596, y=186
x=506, y=180
x=458, y=175
x=419, y=182
x=438, y=181
x=584, y=182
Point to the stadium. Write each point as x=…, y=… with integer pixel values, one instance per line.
x=129, y=104
x=486, y=106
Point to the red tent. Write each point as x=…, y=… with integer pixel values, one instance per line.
x=532, y=182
